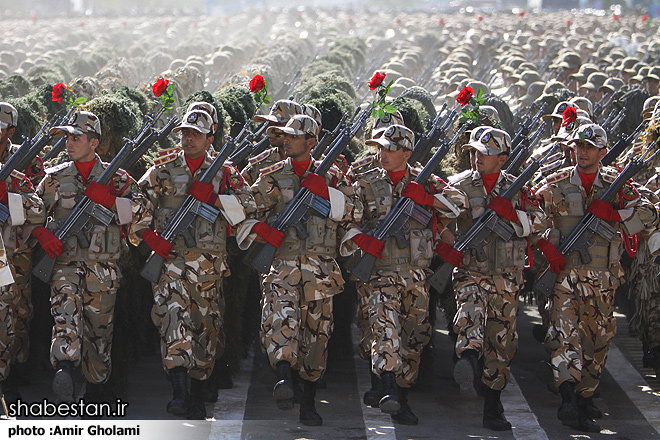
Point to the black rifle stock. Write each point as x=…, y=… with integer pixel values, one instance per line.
x=61, y=142
x=622, y=144
x=182, y=220
x=260, y=256
x=361, y=263
x=525, y=128
x=328, y=138
x=579, y=238
x=489, y=222
x=427, y=141
x=527, y=147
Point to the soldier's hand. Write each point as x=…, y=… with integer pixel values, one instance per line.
x=48, y=241
x=4, y=194
x=449, y=254
x=416, y=192
x=316, y=184
x=604, y=210
x=503, y=208
x=268, y=233
x=157, y=243
x=101, y=194
x=203, y=192
x=369, y=244
x=556, y=259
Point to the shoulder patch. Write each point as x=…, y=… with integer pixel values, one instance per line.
x=364, y=161
x=165, y=159
x=334, y=172
x=273, y=168
x=259, y=157
x=56, y=168
x=167, y=152
x=17, y=175
x=559, y=176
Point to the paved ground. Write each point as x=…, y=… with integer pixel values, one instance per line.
x=630, y=400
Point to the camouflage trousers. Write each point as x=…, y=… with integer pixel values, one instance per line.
x=366, y=337
x=581, y=327
x=399, y=322
x=82, y=303
x=187, y=312
x=649, y=325
x=296, y=322
x=486, y=321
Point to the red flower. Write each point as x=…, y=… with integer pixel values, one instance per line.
x=441, y=21
x=645, y=17
x=464, y=97
x=522, y=13
x=160, y=86
x=616, y=17
x=257, y=83
x=58, y=92
x=480, y=17
x=569, y=116
x=376, y=80
x=569, y=22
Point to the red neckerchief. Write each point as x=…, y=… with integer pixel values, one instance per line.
x=194, y=164
x=85, y=168
x=489, y=181
x=587, y=181
x=299, y=167
x=396, y=176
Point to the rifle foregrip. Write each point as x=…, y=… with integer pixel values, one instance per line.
x=144, y=249
x=153, y=268
x=364, y=266
x=545, y=283
x=441, y=277
x=264, y=258
x=44, y=269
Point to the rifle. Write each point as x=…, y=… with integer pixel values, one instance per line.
x=489, y=222
x=617, y=117
x=245, y=148
x=361, y=263
x=525, y=150
x=617, y=121
x=61, y=142
x=622, y=144
x=427, y=141
x=580, y=236
x=525, y=126
x=520, y=145
x=327, y=138
x=154, y=135
x=260, y=256
x=602, y=104
x=82, y=213
x=181, y=222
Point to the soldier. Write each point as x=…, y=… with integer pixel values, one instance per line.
x=581, y=303
x=304, y=276
x=188, y=296
x=396, y=296
x=25, y=211
x=487, y=291
x=85, y=281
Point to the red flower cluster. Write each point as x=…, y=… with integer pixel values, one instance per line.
x=569, y=116
x=465, y=95
x=645, y=17
x=58, y=92
x=522, y=14
x=376, y=80
x=160, y=86
x=257, y=83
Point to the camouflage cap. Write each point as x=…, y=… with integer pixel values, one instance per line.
x=79, y=123
x=197, y=120
x=8, y=115
x=591, y=133
x=595, y=81
x=312, y=112
x=649, y=107
x=280, y=112
x=204, y=106
x=380, y=124
x=395, y=137
x=298, y=124
x=582, y=103
x=558, y=112
x=492, y=142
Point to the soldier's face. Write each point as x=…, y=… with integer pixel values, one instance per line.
x=194, y=143
x=488, y=164
x=297, y=147
x=588, y=156
x=80, y=148
x=556, y=125
x=5, y=134
x=276, y=139
x=394, y=160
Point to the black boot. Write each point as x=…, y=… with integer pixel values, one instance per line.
x=222, y=374
x=592, y=410
x=283, y=390
x=178, y=406
x=538, y=332
x=10, y=386
x=297, y=389
x=63, y=382
x=567, y=411
x=389, y=404
x=93, y=392
x=308, y=414
x=404, y=415
x=584, y=422
x=467, y=374
x=372, y=396
x=197, y=407
x=493, y=411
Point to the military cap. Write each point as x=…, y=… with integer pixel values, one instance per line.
x=584, y=72
x=528, y=77
x=583, y=103
x=297, y=125
x=8, y=115
x=198, y=120
x=558, y=112
x=205, y=106
x=491, y=142
x=534, y=91
x=380, y=124
x=654, y=73
x=395, y=137
x=591, y=133
x=280, y=112
x=595, y=81
x=611, y=85
x=570, y=61
x=79, y=123
x=649, y=107
x=553, y=87
x=312, y=112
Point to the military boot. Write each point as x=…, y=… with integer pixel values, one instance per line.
x=592, y=410
x=467, y=374
x=283, y=390
x=655, y=360
x=584, y=422
x=297, y=388
x=567, y=411
x=63, y=382
x=93, y=392
x=375, y=393
x=10, y=387
x=390, y=402
x=493, y=411
x=308, y=414
x=404, y=415
x=178, y=406
x=222, y=374
x=197, y=407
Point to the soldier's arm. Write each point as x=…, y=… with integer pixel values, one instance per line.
x=266, y=194
x=531, y=217
x=132, y=206
x=449, y=202
x=237, y=203
x=638, y=213
x=25, y=207
x=354, y=226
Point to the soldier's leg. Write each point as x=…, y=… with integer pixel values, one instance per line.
x=375, y=393
x=6, y=332
x=22, y=263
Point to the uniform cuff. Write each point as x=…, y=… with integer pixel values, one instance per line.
x=16, y=210
x=348, y=246
x=244, y=235
x=452, y=212
x=524, y=229
x=231, y=209
x=124, y=210
x=337, y=204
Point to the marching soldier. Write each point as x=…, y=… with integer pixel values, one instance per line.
x=85, y=281
x=304, y=276
x=581, y=303
x=487, y=291
x=397, y=296
x=188, y=296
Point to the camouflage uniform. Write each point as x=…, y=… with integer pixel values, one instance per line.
x=256, y=164
x=296, y=320
x=395, y=301
x=487, y=292
x=85, y=281
x=189, y=304
x=581, y=304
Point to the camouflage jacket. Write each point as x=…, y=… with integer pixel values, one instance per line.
x=256, y=164
x=376, y=193
x=62, y=188
x=362, y=166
